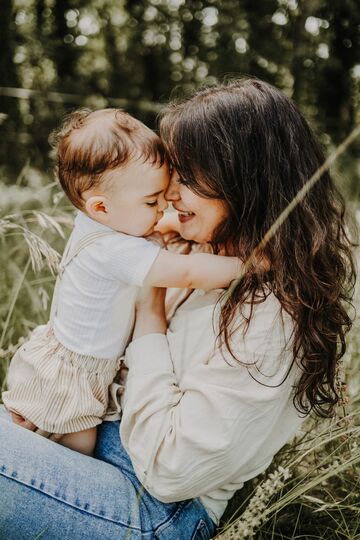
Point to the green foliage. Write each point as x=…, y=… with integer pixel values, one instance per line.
x=139, y=54
x=33, y=226
x=58, y=55
x=311, y=490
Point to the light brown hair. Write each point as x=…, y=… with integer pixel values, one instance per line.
x=88, y=143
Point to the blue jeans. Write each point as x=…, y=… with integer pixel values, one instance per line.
x=50, y=492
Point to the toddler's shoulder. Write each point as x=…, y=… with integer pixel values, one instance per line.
x=125, y=258
x=120, y=244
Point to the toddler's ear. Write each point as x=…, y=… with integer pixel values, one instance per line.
x=96, y=206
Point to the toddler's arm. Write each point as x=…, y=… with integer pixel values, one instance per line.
x=194, y=271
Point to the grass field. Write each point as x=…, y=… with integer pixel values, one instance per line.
x=311, y=490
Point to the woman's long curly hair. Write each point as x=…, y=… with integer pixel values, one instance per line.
x=246, y=143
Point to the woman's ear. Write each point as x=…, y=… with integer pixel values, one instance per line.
x=96, y=207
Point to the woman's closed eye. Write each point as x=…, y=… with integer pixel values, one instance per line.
x=152, y=203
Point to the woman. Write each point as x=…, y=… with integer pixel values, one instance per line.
x=210, y=399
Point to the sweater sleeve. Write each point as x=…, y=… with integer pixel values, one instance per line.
x=190, y=436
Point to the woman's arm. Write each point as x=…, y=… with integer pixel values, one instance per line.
x=150, y=312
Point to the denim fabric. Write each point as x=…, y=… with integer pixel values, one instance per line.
x=50, y=492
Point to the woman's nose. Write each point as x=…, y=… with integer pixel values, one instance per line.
x=172, y=192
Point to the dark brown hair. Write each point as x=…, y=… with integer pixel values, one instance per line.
x=246, y=143
x=89, y=143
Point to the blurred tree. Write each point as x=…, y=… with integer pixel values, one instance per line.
x=117, y=83
x=147, y=51
x=301, y=45
x=111, y=52
x=9, y=108
x=265, y=43
x=8, y=72
x=334, y=82
x=64, y=52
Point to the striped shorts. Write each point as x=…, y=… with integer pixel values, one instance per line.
x=56, y=389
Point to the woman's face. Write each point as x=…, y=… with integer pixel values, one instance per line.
x=198, y=217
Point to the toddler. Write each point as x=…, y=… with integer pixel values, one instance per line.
x=113, y=169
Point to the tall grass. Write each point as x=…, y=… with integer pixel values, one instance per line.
x=34, y=223
x=311, y=490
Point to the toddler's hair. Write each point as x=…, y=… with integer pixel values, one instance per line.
x=88, y=143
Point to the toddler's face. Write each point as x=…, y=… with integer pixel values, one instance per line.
x=135, y=197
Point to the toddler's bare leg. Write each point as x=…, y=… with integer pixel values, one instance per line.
x=81, y=441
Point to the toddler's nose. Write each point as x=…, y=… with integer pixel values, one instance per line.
x=163, y=204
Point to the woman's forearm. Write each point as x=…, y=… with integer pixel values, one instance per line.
x=148, y=322
x=150, y=313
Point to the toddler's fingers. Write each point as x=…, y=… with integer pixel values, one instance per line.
x=16, y=417
x=56, y=437
x=123, y=374
x=156, y=238
x=170, y=236
x=21, y=421
x=28, y=425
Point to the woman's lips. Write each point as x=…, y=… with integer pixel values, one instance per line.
x=185, y=216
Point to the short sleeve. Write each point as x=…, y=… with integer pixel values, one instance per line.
x=129, y=258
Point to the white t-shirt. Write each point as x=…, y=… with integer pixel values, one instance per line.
x=98, y=288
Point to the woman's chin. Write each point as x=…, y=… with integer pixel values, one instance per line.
x=185, y=232
x=189, y=233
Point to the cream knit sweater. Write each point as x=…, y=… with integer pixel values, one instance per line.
x=197, y=424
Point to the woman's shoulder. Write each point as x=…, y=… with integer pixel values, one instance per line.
x=262, y=334
x=264, y=307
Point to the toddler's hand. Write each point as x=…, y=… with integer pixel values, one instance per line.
x=21, y=421
x=156, y=238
